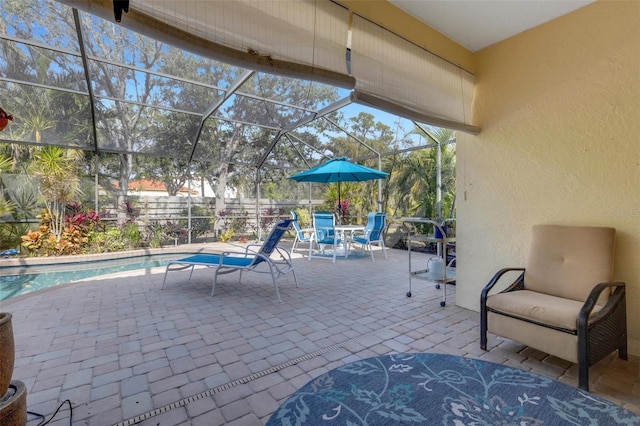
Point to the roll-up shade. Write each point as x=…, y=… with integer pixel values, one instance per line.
x=304, y=31
x=308, y=39
x=402, y=110
x=301, y=39
x=397, y=76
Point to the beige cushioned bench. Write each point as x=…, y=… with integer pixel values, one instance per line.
x=563, y=303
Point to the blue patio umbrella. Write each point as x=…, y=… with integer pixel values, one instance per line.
x=338, y=170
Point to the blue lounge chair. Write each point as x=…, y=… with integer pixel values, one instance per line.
x=250, y=260
x=324, y=234
x=373, y=233
x=302, y=235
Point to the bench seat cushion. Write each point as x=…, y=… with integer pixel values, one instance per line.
x=539, y=307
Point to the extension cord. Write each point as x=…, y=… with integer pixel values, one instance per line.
x=44, y=421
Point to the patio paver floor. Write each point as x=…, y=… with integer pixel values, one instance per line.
x=126, y=352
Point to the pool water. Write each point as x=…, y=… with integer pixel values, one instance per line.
x=15, y=281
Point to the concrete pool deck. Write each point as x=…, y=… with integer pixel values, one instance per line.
x=123, y=351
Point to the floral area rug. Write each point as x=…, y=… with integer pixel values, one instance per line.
x=435, y=389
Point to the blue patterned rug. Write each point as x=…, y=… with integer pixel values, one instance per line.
x=435, y=389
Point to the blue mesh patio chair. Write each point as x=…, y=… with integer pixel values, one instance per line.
x=302, y=235
x=260, y=260
x=324, y=234
x=373, y=234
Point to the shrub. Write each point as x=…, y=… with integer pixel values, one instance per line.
x=304, y=218
x=157, y=232
x=131, y=234
x=10, y=234
x=230, y=222
x=108, y=240
x=268, y=217
x=74, y=237
x=199, y=225
x=227, y=235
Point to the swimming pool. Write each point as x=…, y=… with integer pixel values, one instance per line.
x=15, y=281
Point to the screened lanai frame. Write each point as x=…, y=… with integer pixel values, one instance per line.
x=75, y=53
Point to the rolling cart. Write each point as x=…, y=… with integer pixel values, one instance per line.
x=437, y=270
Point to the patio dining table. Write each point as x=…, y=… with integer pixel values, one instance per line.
x=341, y=232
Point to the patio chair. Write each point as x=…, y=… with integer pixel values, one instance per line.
x=563, y=303
x=373, y=234
x=324, y=234
x=302, y=235
x=252, y=260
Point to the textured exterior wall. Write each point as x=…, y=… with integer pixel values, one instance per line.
x=559, y=108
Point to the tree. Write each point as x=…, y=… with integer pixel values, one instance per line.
x=150, y=99
x=415, y=183
x=41, y=114
x=57, y=170
x=233, y=149
x=172, y=173
x=6, y=205
x=123, y=118
x=366, y=137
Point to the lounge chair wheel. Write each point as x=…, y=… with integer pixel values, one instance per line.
x=438, y=286
x=442, y=304
x=408, y=294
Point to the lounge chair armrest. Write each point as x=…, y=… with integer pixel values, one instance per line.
x=516, y=285
x=518, y=282
x=231, y=253
x=245, y=253
x=360, y=233
x=252, y=248
x=284, y=253
x=249, y=252
x=590, y=303
x=307, y=232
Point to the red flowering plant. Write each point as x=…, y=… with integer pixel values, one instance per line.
x=78, y=226
x=84, y=222
x=343, y=208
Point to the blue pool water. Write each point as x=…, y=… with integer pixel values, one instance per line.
x=15, y=281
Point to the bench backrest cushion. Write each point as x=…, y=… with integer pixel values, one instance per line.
x=568, y=261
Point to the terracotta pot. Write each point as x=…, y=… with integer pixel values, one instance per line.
x=7, y=352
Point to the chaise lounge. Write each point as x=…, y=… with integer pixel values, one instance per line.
x=259, y=260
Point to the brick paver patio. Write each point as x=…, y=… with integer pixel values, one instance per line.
x=125, y=352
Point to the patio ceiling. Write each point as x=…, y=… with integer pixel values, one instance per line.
x=50, y=50
x=476, y=24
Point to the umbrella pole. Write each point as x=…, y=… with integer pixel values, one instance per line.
x=310, y=209
x=339, y=206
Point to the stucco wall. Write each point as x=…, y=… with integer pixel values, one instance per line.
x=559, y=108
